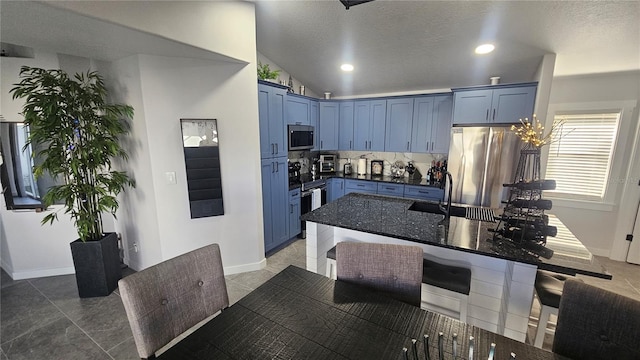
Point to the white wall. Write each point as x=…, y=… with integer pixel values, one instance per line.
x=596, y=226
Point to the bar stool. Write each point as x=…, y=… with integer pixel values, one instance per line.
x=444, y=286
x=548, y=287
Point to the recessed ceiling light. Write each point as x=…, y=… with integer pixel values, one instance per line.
x=485, y=49
x=346, y=67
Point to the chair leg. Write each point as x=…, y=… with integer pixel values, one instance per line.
x=331, y=269
x=463, y=307
x=545, y=314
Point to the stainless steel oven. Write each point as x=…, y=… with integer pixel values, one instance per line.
x=309, y=202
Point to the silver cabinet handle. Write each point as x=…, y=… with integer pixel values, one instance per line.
x=290, y=208
x=273, y=167
x=321, y=146
x=487, y=117
x=494, y=114
x=276, y=148
x=273, y=149
x=408, y=145
x=433, y=145
x=350, y=141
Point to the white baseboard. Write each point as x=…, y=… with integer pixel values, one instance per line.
x=229, y=270
x=38, y=273
x=600, y=252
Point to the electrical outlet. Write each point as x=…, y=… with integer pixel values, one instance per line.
x=170, y=177
x=135, y=247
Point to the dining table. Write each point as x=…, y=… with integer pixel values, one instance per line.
x=298, y=314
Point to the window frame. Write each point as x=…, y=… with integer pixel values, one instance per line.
x=614, y=184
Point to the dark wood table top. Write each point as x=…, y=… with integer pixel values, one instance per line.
x=302, y=315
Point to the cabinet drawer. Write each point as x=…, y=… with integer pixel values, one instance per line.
x=363, y=186
x=391, y=189
x=423, y=192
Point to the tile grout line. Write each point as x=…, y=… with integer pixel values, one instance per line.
x=73, y=322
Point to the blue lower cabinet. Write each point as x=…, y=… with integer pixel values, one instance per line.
x=275, y=185
x=361, y=186
x=335, y=189
x=295, y=226
x=423, y=193
x=391, y=189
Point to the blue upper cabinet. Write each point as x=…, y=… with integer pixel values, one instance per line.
x=273, y=140
x=512, y=104
x=398, y=125
x=298, y=110
x=472, y=107
x=431, y=124
x=422, y=139
x=329, y=121
x=345, y=132
x=370, y=123
x=504, y=104
x=314, y=120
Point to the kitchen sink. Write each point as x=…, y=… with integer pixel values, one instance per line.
x=433, y=208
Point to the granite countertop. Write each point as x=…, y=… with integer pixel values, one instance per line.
x=390, y=216
x=405, y=180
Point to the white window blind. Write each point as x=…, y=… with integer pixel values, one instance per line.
x=580, y=156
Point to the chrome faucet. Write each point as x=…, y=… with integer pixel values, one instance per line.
x=447, y=210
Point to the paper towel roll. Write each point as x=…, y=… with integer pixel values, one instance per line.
x=362, y=166
x=316, y=199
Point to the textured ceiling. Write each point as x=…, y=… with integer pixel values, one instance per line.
x=413, y=45
x=394, y=45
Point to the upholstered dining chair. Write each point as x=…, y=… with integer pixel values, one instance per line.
x=596, y=324
x=392, y=269
x=165, y=300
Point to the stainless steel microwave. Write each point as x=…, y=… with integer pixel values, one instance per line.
x=300, y=137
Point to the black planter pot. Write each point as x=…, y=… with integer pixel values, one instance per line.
x=97, y=265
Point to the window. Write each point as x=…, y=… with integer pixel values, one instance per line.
x=580, y=157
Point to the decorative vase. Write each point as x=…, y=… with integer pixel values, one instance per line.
x=97, y=265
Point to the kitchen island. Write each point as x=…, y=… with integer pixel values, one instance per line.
x=503, y=273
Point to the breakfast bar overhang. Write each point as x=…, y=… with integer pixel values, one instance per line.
x=503, y=272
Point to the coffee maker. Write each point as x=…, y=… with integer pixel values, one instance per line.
x=294, y=172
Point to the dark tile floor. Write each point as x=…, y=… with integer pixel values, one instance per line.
x=44, y=318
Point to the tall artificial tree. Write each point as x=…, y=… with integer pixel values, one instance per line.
x=76, y=134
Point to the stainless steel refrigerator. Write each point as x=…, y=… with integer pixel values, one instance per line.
x=481, y=159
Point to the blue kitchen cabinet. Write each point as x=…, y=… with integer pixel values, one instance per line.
x=431, y=124
x=345, y=132
x=369, y=125
x=298, y=110
x=329, y=122
x=504, y=104
x=295, y=226
x=314, y=120
x=423, y=193
x=275, y=186
x=390, y=189
x=512, y=104
x=361, y=186
x=273, y=140
x=335, y=189
x=398, y=125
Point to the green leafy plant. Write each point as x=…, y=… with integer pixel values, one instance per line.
x=77, y=134
x=265, y=73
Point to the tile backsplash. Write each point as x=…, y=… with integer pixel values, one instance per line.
x=421, y=161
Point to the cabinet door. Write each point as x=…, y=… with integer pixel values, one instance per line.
x=277, y=125
x=421, y=139
x=391, y=189
x=335, y=189
x=329, y=115
x=295, y=226
x=362, y=120
x=267, y=169
x=423, y=193
x=377, y=125
x=361, y=186
x=472, y=106
x=266, y=145
x=314, y=120
x=297, y=110
x=345, y=132
x=512, y=104
x=441, y=128
x=398, y=125
x=274, y=202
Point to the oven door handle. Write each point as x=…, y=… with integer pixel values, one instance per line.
x=310, y=191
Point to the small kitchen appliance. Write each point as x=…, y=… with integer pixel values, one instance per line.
x=300, y=137
x=377, y=167
x=348, y=169
x=327, y=164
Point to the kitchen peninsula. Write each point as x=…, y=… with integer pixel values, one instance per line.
x=502, y=274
